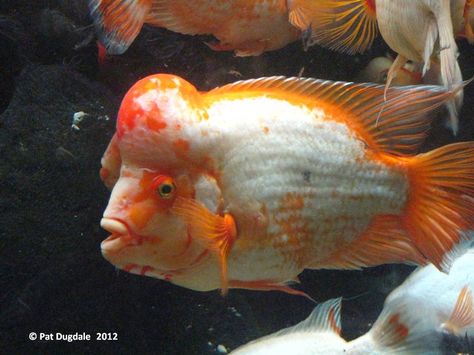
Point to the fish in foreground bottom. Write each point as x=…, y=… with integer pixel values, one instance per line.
x=247, y=185
x=414, y=318
x=395, y=332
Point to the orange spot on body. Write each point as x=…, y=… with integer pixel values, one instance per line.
x=146, y=269
x=400, y=329
x=129, y=267
x=266, y=130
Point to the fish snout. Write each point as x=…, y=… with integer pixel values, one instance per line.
x=120, y=236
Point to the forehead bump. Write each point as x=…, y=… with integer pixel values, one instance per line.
x=142, y=101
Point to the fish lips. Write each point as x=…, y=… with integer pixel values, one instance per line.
x=121, y=236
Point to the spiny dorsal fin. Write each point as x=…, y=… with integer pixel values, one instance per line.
x=396, y=124
x=325, y=317
x=348, y=26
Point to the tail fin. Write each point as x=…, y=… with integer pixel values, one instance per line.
x=440, y=204
x=118, y=22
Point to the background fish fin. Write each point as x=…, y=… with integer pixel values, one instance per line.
x=384, y=241
x=182, y=17
x=348, y=26
x=462, y=315
x=395, y=122
x=441, y=199
x=118, y=22
x=450, y=71
x=401, y=330
x=465, y=245
x=325, y=317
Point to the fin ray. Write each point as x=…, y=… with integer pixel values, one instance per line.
x=441, y=199
x=348, y=26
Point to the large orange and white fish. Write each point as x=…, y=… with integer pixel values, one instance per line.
x=249, y=27
x=396, y=331
x=247, y=185
x=416, y=30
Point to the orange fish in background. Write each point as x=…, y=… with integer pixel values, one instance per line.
x=247, y=185
x=377, y=70
x=415, y=30
x=250, y=27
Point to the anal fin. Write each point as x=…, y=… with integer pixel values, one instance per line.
x=384, y=241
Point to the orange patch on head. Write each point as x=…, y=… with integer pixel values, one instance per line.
x=154, y=120
x=140, y=213
x=265, y=129
x=181, y=148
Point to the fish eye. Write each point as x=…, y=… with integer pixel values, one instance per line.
x=166, y=190
x=164, y=187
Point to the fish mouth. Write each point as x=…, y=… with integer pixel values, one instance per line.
x=121, y=235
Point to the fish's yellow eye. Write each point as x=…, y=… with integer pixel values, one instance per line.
x=164, y=186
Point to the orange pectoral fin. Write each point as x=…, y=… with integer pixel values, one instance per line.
x=118, y=22
x=463, y=313
x=348, y=26
x=214, y=232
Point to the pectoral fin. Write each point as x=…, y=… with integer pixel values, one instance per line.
x=214, y=232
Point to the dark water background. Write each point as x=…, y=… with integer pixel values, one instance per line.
x=52, y=275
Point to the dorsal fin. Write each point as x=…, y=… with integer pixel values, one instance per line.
x=324, y=317
x=348, y=26
x=396, y=124
x=462, y=315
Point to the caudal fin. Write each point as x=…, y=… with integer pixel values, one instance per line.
x=118, y=22
x=440, y=204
